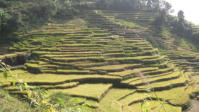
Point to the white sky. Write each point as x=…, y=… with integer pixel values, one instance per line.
x=190, y=8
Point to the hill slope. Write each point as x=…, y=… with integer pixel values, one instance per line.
x=106, y=61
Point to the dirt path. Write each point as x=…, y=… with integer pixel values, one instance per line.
x=195, y=106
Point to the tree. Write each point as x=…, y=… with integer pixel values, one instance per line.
x=181, y=23
x=181, y=26
x=181, y=16
x=165, y=6
x=162, y=18
x=8, y=23
x=149, y=4
x=21, y=15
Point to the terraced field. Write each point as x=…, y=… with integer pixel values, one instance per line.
x=195, y=29
x=139, y=17
x=91, y=59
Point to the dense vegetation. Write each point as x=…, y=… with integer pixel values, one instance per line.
x=22, y=15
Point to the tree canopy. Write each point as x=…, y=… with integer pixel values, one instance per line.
x=25, y=14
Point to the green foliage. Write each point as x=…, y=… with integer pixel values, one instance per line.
x=57, y=97
x=7, y=23
x=118, y=4
x=177, y=26
x=41, y=10
x=133, y=4
x=5, y=69
x=5, y=74
x=63, y=9
x=9, y=103
x=61, y=99
x=181, y=16
x=23, y=15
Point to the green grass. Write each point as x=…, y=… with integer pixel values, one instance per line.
x=137, y=19
x=163, y=70
x=152, y=79
x=110, y=102
x=63, y=53
x=132, y=54
x=132, y=72
x=169, y=83
x=70, y=55
x=120, y=21
x=64, y=59
x=134, y=102
x=81, y=45
x=13, y=104
x=73, y=71
x=65, y=85
x=184, y=43
x=172, y=96
x=153, y=106
x=87, y=63
x=31, y=65
x=138, y=58
x=52, y=78
x=12, y=55
x=114, y=67
x=175, y=96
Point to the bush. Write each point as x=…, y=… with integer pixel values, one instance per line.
x=12, y=104
x=58, y=98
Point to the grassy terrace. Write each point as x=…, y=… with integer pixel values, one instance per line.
x=12, y=55
x=54, y=79
x=184, y=59
x=195, y=29
x=115, y=67
x=131, y=19
x=95, y=91
x=109, y=72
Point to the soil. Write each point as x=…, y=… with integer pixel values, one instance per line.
x=195, y=106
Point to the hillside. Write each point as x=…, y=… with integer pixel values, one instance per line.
x=105, y=58
x=106, y=61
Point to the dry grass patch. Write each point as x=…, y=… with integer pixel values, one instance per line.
x=132, y=72
x=114, y=67
x=92, y=91
x=64, y=59
x=52, y=78
x=109, y=103
x=152, y=106
x=150, y=79
x=179, y=82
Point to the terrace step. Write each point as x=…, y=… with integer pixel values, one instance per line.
x=154, y=80
x=95, y=92
x=132, y=73
x=47, y=87
x=115, y=68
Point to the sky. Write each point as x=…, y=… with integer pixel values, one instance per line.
x=190, y=8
